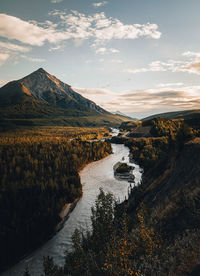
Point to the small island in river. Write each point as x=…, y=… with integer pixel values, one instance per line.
x=122, y=171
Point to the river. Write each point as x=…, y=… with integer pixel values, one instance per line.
x=93, y=176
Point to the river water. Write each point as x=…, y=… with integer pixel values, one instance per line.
x=93, y=176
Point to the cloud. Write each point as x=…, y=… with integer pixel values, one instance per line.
x=193, y=67
x=13, y=47
x=190, y=66
x=57, y=48
x=31, y=59
x=157, y=66
x=114, y=50
x=102, y=28
x=104, y=50
x=172, y=84
x=191, y=54
x=101, y=51
x=154, y=100
x=76, y=26
x=100, y=4
x=3, y=58
x=29, y=33
x=91, y=91
x=56, y=1
x=10, y=50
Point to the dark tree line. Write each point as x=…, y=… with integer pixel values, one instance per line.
x=37, y=177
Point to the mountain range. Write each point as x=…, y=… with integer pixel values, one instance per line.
x=124, y=115
x=184, y=114
x=42, y=99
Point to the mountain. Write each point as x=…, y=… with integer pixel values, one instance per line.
x=185, y=114
x=124, y=115
x=42, y=99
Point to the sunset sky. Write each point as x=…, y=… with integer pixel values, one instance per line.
x=140, y=57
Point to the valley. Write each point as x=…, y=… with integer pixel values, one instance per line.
x=72, y=182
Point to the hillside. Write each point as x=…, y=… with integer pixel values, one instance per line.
x=159, y=234
x=42, y=99
x=170, y=193
x=156, y=230
x=185, y=114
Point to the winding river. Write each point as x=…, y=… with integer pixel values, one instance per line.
x=93, y=176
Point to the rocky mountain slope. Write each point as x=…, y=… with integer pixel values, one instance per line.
x=41, y=98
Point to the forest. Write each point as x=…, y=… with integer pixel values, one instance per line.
x=39, y=174
x=156, y=230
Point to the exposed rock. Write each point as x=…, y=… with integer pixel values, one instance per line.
x=128, y=176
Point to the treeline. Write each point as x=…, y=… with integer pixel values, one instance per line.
x=173, y=129
x=39, y=174
x=154, y=232
x=111, y=248
x=114, y=247
x=170, y=191
x=167, y=136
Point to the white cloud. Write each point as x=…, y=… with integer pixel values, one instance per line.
x=31, y=59
x=191, y=54
x=104, y=50
x=13, y=47
x=10, y=51
x=100, y=4
x=3, y=58
x=57, y=48
x=193, y=67
x=190, y=66
x=30, y=33
x=101, y=51
x=56, y=1
x=154, y=100
x=172, y=84
x=102, y=28
x=157, y=66
x=75, y=26
x=91, y=91
x=114, y=50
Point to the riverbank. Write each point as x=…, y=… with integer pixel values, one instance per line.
x=65, y=213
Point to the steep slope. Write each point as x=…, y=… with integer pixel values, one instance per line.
x=44, y=99
x=170, y=198
x=46, y=87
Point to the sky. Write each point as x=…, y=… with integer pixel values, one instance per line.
x=139, y=57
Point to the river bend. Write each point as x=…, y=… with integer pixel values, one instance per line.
x=93, y=176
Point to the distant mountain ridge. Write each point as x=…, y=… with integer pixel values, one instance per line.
x=124, y=115
x=185, y=114
x=45, y=99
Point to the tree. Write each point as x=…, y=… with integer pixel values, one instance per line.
x=26, y=272
x=50, y=269
x=102, y=219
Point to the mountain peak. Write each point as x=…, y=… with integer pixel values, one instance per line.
x=46, y=89
x=41, y=70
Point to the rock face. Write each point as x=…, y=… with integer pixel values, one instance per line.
x=128, y=176
x=47, y=93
